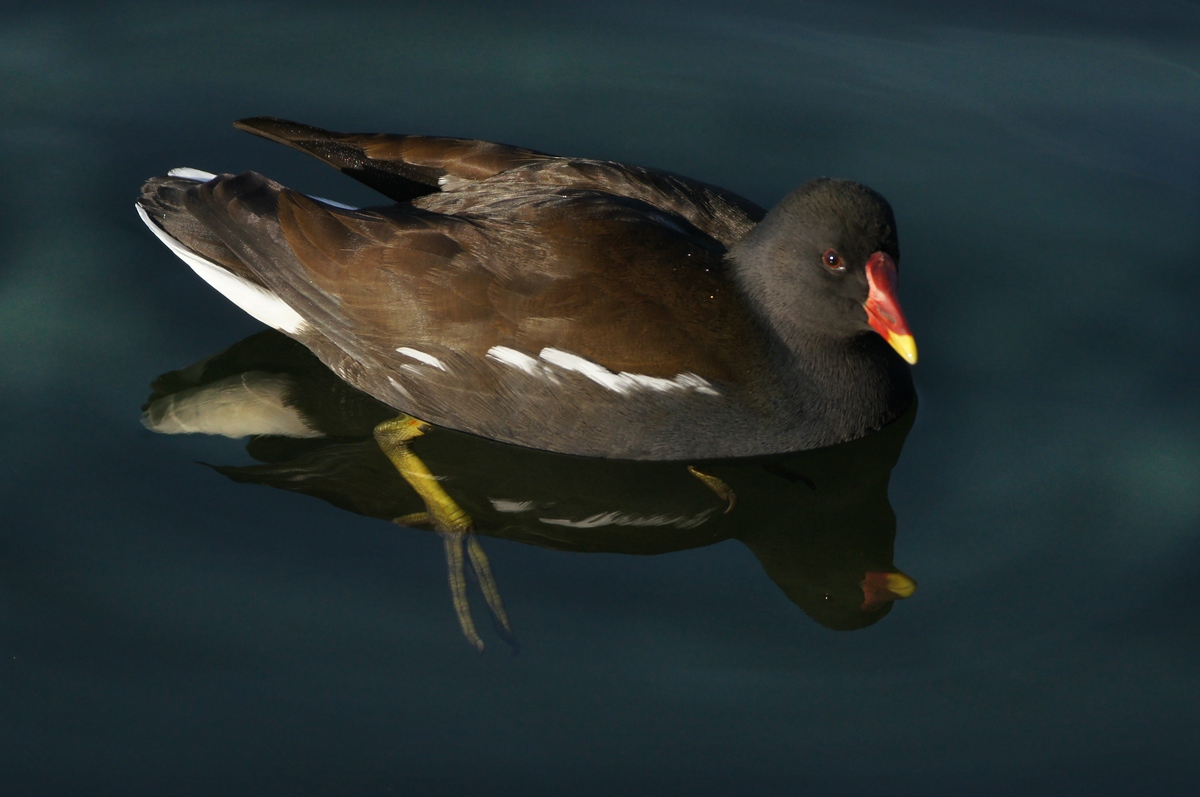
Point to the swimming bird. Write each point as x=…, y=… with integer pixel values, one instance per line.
x=566, y=304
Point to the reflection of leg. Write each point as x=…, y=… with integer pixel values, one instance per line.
x=491, y=593
x=880, y=588
x=723, y=490
x=453, y=541
x=451, y=523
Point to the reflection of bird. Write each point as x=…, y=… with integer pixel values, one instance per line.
x=570, y=305
x=819, y=521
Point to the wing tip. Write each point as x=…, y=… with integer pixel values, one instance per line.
x=282, y=131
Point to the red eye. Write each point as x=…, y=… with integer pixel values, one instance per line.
x=833, y=260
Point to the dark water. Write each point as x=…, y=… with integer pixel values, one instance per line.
x=168, y=631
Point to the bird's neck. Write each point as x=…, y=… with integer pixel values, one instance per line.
x=852, y=384
x=814, y=354
x=842, y=385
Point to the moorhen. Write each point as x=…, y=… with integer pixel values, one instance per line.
x=579, y=306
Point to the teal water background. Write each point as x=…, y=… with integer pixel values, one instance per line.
x=164, y=631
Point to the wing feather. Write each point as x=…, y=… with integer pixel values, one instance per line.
x=577, y=274
x=399, y=167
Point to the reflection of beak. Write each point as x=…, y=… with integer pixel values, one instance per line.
x=880, y=588
x=883, y=308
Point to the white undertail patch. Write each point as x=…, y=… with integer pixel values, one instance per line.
x=254, y=299
x=245, y=404
x=188, y=173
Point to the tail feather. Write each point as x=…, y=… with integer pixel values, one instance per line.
x=164, y=200
x=163, y=206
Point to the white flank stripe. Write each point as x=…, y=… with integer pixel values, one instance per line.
x=254, y=299
x=421, y=356
x=649, y=382
x=237, y=406
x=581, y=365
x=514, y=358
x=625, y=381
x=188, y=173
x=697, y=383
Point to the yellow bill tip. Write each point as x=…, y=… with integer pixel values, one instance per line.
x=900, y=585
x=881, y=587
x=905, y=346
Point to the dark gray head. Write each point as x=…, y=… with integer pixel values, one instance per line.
x=823, y=263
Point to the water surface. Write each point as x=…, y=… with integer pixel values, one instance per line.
x=166, y=630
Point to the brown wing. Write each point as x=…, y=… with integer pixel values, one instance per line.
x=456, y=175
x=399, y=167
x=604, y=277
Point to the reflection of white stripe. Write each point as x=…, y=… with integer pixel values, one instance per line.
x=421, y=356
x=605, y=518
x=625, y=519
x=254, y=299
x=506, y=505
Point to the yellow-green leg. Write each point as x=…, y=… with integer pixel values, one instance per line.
x=451, y=523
